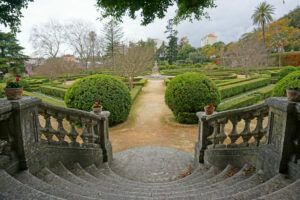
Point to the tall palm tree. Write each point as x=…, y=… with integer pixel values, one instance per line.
x=262, y=16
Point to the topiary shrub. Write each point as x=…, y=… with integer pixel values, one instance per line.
x=188, y=93
x=285, y=71
x=110, y=91
x=292, y=80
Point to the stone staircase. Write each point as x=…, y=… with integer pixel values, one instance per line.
x=44, y=154
x=75, y=182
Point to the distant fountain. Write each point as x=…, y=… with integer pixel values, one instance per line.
x=155, y=69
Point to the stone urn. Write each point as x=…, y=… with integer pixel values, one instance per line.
x=14, y=93
x=209, y=109
x=293, y=94
x=97, y=108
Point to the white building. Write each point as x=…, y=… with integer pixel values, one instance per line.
x=209, y=39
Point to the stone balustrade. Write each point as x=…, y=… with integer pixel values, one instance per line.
x=40, y=134
x=70, y=127
x=221, y=137
x=243, y=127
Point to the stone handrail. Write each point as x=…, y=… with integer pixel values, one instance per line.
x=71, y=127
x=5, y=113
x=212, y=133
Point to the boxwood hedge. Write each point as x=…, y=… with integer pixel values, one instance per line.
x=238, y=88
x=53, y=91
x=113, y=94
x=292, y=80
x=188, y=93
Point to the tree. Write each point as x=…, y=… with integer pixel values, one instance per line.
x=247, y=54
x=57, y=67
x=136, y=60
x=150, y=9
x=11, y=57
x=10, y=13
x=172, y=44
x=161, y=53
x=113, y=35
x=80, y=39
x=184, y=51
x=47, y=39
x=262, y=16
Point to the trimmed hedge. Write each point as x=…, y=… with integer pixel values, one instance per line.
x=113, y=94
x=50, y=100
x=188, y=93
x=247, y=100
x=135, y=92
x=230, y=82
x=286, y=70
x=292, y=80
x=53, y=91
x=238, y=88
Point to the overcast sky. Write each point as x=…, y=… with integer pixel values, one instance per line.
x=228, y=21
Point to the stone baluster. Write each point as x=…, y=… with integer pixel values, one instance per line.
x=221, y=136
x=233, y=135
x=246, y=131
x=73, y=134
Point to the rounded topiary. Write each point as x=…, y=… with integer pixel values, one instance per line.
x=113, y=94
x=189, y=93
x=291, y=81
x=285, y=71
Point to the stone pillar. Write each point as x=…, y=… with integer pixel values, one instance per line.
x=24, y=129
x=276, y=155
x=204, y=131
x=104, y=137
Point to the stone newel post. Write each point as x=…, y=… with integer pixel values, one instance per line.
x=204, y=131
x=283, y=127
x=24, y=128
x=104, y=136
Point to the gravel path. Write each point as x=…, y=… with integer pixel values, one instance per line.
x=148, y=124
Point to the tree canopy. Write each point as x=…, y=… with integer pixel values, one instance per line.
x=10, y=13
x=11, y=57
x=151, y=9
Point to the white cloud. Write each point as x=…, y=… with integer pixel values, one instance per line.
x=228, y=21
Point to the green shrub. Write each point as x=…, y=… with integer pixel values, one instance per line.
x=286, y=70
x=292, y=80
x=113, y=94
x=238, y=88
x=247, y=99
x=135, y=92
x=188, y=93
x=1, y=91
x=53, y=91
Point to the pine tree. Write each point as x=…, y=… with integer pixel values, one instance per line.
x=172, y=49
x=11, y=57
x=113, y=36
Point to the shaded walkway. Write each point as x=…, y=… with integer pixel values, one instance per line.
x=148, y=124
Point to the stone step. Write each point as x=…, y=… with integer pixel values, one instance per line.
x=78, y=171
x=49, y=177
x=200, y=170
x=290, y=192
x=28, y=179
x=102, y=185
x=64, y=173
x=234, y=188
x=11, y=188
x=110, y=177
x=277, y=182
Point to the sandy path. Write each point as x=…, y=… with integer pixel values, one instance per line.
x=147, y=124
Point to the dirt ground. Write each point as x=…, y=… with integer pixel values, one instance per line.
x=147, y=124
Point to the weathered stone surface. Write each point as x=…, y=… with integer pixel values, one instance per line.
x=151, y=164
